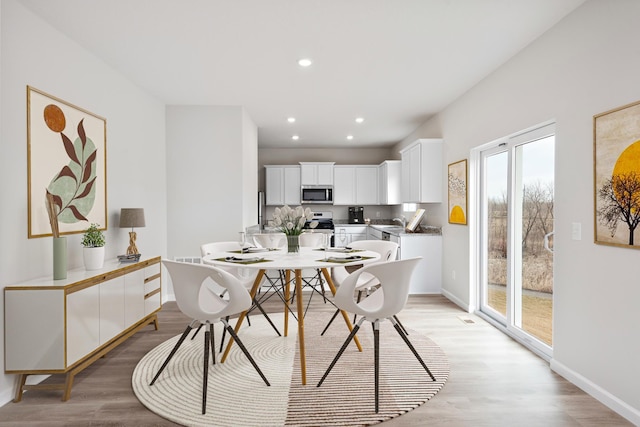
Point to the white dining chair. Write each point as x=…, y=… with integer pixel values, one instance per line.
x=383, y=304
x=205, y=307
x=366, y=282
x=313, y=240
x=246, y=276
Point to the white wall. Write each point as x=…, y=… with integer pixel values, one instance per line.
x=205, y=193
x=589, y=63
x=35, y=54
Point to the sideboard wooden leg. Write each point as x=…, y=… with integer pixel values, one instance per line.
x=22, y=379
x=67, y=385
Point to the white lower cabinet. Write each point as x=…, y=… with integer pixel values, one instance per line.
x=62, y=326
x=345, y=234
x=112, y=308
x=83, y=324
x=427, y=278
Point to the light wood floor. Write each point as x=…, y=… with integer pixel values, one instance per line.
x=493, y=382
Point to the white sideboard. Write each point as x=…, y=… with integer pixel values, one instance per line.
x=63, y=326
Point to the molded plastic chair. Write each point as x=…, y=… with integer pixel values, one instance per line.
x=388, y=252
x=245, y=275
x=313, y=240
x=206, y=308
x=384, y=303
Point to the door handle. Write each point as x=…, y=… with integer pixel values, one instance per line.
x=546, y=241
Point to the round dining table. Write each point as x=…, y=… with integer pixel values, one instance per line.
x=306, y=258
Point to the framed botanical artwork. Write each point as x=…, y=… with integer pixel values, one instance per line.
x=66, y=164
x=616, y=164
x=457, y=191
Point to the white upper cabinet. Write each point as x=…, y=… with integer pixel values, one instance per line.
x=389, y=177
x=355, y=185
x=282, y=185
x=422, y=172
x=316, y=173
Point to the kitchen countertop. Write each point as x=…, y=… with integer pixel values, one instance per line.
x=393, y=228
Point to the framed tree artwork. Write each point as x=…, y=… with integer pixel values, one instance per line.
x=66, y=164
x=457, y=192
x=616, y=163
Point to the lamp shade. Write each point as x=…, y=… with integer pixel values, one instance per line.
x=131, y=217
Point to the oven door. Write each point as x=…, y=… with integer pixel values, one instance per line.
x=316, y=195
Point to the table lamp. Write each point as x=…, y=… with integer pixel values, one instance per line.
x=132, y=217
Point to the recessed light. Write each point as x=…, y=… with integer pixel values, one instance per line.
x=291, y=119
x=349, y=137
x=359, y=120
x=304, y=62
x=295, y=137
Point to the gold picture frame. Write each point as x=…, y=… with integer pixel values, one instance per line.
x=67, y=160
x=616, y=174
x=457, y=192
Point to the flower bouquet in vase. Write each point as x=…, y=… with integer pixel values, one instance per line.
x=291, y=222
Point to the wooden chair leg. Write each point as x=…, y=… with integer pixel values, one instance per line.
x=173, y=351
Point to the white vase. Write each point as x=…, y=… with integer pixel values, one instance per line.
x=93, y=258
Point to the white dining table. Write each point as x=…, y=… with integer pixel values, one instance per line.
x=306, y=258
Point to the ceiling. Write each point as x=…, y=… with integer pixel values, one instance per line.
x=394, y=63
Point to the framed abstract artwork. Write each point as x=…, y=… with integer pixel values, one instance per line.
x=616, y=173
x=66, y=164
x=457, y=192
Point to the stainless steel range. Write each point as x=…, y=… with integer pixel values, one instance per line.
x=325, y=224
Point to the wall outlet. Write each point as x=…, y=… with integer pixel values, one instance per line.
x=453, y=274
x=377, y=214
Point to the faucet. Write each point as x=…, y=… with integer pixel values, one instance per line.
x=402, y=220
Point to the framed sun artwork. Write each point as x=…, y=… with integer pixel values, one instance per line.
x=616, y=165
x=66, y=165
x=457, y=192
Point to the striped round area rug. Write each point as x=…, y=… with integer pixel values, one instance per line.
x=237, y=396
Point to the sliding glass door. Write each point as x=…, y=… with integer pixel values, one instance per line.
x=515, y=234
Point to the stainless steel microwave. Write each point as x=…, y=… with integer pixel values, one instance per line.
x=316, y=194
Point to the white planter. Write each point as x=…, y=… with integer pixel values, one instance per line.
x=93, y=258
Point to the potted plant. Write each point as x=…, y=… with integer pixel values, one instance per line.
x=93, y=252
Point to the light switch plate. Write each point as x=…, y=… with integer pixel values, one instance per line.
x=576, y=231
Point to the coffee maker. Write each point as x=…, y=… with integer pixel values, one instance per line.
x=356, y=215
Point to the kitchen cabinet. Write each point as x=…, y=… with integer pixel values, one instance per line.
x=345, y=234
x=316, y=173
x=389, y=185
x=63, y=326
x=422, y=172
x=282, y=185
x=355, y=185
x=427, y=278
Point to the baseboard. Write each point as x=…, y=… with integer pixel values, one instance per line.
x=612, y=402
x=448, y=295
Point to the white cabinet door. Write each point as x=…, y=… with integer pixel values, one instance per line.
x=112, y=298
x=291, y=185
x=366, y=185
x=83, y=323
x=389, y=182
x=325, y=174
x=316, y=173
x=344, y=187
x=274, y=183
x=134, y=297
x=427, y=277
x=422, y=172
x=282, y=185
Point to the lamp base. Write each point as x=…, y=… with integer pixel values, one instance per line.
x=132, y=249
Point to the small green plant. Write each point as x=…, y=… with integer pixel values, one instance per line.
x=93, y=237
